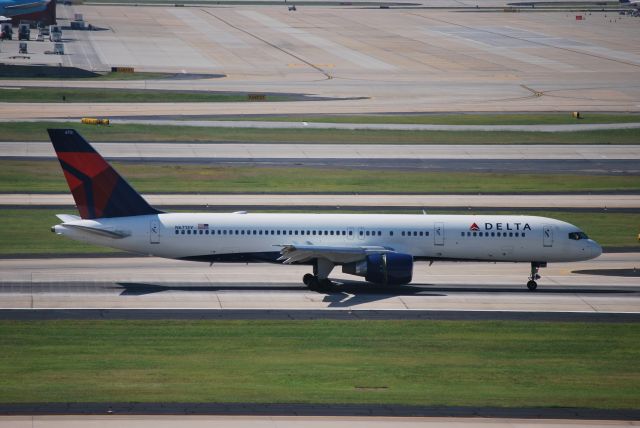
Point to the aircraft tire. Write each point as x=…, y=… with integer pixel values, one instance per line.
x=532, y=285
x=307, y=279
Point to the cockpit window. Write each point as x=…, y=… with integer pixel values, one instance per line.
x=576, y=236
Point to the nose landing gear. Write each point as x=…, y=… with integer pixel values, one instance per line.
x=535, y=267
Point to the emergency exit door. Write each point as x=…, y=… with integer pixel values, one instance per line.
x=438, y=234
x=154, y=232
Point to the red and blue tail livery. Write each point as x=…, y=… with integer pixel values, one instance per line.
x=99, y=191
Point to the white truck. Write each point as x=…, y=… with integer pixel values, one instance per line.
x=55, y=33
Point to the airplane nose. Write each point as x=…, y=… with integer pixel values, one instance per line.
x=596, y=249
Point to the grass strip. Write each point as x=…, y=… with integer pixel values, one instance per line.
x=453, y=119
x=36, y=131
x=101, y=95
x=506, y=364
x=27, y=231
x=46, y=176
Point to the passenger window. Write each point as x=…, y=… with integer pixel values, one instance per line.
x=511, y=234
x=468, y=233
x=350, y=233
x=475, y=233
x=462, y=234
x=367, y=233
x=403, y=233
x=331, y=233
x=522, y=234
x=391, y=233
x=480, y=234
x=177, y=231
x=517, y=234
x=493, y=234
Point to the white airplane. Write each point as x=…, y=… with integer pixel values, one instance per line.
x=380, y=248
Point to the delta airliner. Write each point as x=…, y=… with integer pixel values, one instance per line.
x=380, y=248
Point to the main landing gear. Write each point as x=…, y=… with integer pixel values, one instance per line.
x=535, y=267
x=320, y=278
x=315, y=283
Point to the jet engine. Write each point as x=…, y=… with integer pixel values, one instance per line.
x=385, y=268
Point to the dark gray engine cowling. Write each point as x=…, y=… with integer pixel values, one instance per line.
x=386, y=268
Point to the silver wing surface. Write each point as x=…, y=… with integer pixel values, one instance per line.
x=294, y=253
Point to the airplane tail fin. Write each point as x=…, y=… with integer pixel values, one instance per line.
x=99, y=191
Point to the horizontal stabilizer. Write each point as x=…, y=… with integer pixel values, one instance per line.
x=114, y=234
x=66, y=218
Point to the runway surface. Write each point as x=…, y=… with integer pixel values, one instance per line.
x=109, y=421
x=609, y=284
x=205, y=151
x=357, y=126
x=355, y=201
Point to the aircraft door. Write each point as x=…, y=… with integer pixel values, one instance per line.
x=547, y=236
x=360, y=233
x=154, y=232
x=438, y=233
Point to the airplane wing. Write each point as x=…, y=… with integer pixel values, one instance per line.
x=293, y=253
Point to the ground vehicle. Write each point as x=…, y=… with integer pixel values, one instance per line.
x=6, y=31
x=24, y=32
x=55, y=33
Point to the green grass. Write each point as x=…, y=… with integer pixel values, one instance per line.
x=454, y=119
x=36, y=131
x=91, y=95
x=506, y=364
x=46, y=176
x=27, y=231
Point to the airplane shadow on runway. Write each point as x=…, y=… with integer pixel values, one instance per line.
x=343, y=294
x=140, y=289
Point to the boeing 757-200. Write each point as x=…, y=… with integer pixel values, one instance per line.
x=380, y=248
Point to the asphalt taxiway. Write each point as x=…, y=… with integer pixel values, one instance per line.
x=608, y=284
x=204, y=151
x=601, y=202
x=161, y=421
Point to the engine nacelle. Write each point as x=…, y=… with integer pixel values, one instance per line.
x=386, y=268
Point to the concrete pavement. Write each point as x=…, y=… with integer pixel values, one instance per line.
x=606, y=284
x=248, y=151
x=582, y=201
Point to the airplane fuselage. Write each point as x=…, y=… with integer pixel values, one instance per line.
x=260, y=237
